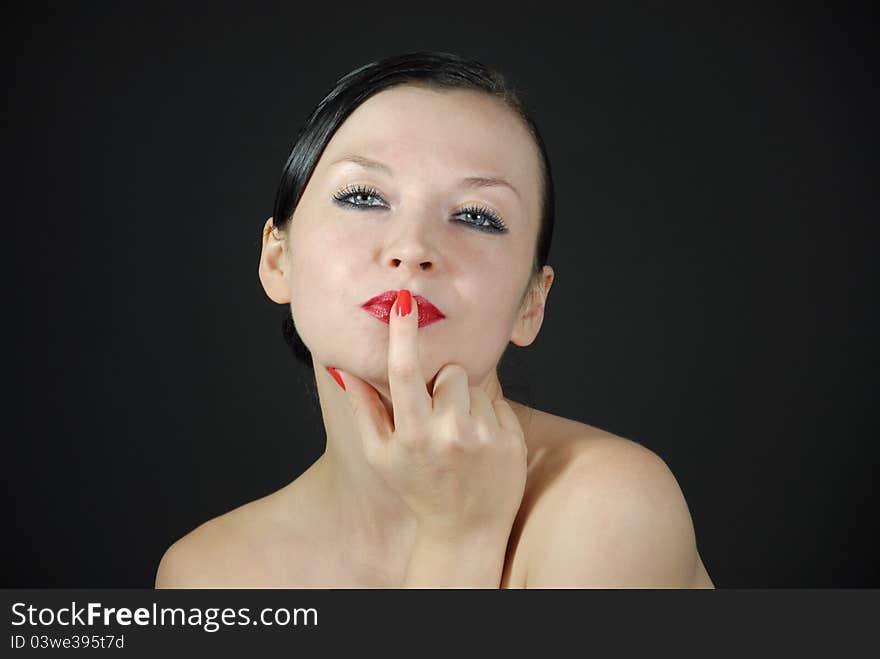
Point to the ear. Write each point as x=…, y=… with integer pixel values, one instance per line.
x=274, y=263
x=532, y=312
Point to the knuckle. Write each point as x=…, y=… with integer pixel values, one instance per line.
x=372, y=454
x=454, y=444
x=451, y=373
x=454, y=370
x=464, y=430
x=448, y=426
x=485, y=433
x=402, y=370
x=453, y=433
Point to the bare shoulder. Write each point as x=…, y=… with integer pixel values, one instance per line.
x=220, y=552
x=601, y=510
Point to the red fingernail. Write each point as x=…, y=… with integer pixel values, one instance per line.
x=336, y=376
x=404, y=303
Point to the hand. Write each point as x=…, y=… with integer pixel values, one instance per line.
x=456, y=458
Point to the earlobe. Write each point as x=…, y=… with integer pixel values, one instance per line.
x=529, y=323
x=527, y=327
x=273, y=264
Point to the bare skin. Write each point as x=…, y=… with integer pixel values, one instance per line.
x=596, y=510
x=289, y=540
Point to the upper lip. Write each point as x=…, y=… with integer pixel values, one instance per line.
x=388, y=297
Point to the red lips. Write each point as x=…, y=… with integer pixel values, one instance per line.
x=380, y=307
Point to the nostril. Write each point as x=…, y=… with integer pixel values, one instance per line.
x=425, y=265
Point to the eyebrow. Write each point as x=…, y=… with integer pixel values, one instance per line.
x=468, y=182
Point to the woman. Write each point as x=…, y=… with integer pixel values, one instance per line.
x=409, y=242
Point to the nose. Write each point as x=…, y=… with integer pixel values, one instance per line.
x=411, y=247
x=414, y=264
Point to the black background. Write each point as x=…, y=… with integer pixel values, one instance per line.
x=715, y=282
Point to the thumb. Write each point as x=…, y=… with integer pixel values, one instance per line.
x=366, y=404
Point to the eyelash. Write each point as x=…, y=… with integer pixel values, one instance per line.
x=496, y=223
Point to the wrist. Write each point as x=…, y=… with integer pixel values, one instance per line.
x=451, y=557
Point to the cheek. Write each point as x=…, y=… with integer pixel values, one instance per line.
x=320, y=279
x=492, y=293
x=494, y=280
x=319, y=252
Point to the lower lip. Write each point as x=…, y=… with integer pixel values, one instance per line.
x=383, y=311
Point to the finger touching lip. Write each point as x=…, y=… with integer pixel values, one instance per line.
x=410, y=400
x=380, y=308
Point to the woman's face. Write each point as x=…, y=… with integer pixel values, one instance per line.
x=410, y=231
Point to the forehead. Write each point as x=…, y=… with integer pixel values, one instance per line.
x=460, y=131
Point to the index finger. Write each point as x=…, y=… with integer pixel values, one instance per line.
x=409, y=395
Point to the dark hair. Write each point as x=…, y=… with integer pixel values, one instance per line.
x=436, y=70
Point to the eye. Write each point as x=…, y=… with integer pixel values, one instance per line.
x=361, y=193
x=486, y=220
x=363, y=196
